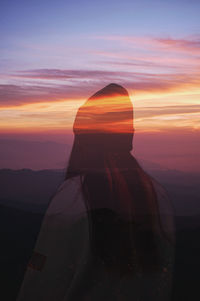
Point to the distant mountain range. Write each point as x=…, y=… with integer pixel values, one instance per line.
x=32, y=190
x=46, y=154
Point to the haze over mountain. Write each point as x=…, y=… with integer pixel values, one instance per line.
x=32, y=190
x=159, y=151
x=36, y=155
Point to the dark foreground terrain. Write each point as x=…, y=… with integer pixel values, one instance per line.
x=24, y=198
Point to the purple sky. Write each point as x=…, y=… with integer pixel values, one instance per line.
x=55, y=54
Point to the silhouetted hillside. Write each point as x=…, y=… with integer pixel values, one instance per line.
x=27, y=189
x=25, y=195
x=19, y=230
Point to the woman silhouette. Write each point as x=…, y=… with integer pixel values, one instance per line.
x=108, y=231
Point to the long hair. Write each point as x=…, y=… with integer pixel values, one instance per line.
x=120, y=198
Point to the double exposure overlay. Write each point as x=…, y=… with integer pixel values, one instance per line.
x=99, y=150
x=108, y=232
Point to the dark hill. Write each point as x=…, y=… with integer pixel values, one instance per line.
x=24, y=197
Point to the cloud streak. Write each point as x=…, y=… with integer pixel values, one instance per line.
x=187, y=45
x=83, y=83
x=146, y=66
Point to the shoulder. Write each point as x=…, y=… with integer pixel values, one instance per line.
x=68, y=200
x=166, y=209
x=164, y=201
x=71, y=183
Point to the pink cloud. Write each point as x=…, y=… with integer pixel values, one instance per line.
x=189, y=44
x=182, y=45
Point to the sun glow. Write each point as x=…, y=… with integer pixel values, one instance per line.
x=155, y=112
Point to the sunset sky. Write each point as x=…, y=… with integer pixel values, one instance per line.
x=56, y=54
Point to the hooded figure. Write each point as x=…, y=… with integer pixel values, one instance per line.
x=108, y=232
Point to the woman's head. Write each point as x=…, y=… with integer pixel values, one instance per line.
x=103, y=125
x=109, y=111
x=119, y=195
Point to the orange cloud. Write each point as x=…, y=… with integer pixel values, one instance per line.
x=105, y=114
x=155, y=115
